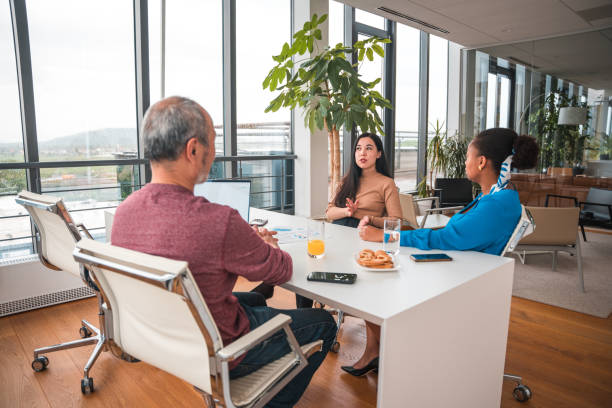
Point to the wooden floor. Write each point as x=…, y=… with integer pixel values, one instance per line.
x=564, y=356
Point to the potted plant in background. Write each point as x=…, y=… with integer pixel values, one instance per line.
x=560, y=145
x=445, y=155
x=327, y=87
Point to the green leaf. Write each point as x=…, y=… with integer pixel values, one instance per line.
x=322, y=19
x=317, y=34
x=307, y=26
x=311, y=121
x=370, y=54
x=313, y=20
x=274, y=81
x=266, y=81
x=378, y=49
x=339, y=119
x=358, y=107
x=351, y=93
x=310, y=45
x=286, y=50
x=360, y=54
x=319, y=119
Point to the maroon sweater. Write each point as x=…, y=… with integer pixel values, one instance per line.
x=168, y=220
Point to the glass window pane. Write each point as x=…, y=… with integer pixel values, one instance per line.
x=491, y=101
x=11, y=141
x=15, y=232
x=336, y=23
x=194, y=55
x=261, y=29
x=407, y=106
x=87, y=191
x=371, y=70
x=83, y=71
x=370, y=19
x=504, y=102
x=438, y=78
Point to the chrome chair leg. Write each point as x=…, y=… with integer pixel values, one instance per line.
x=65, y=346
x=521, y=392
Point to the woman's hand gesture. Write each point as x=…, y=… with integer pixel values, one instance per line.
x=351, y=207
x=369, y=232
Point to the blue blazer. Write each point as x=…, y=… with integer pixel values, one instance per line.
x=487, y=227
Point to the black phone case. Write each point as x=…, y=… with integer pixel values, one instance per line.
x=309, y=278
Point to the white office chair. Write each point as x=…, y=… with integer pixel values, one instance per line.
x=525, y=226
x=55, y=240
x=432, y=219
x=160, y=317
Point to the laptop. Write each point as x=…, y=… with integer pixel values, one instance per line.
x=233, y=193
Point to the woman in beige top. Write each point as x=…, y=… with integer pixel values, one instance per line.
x=367, y=189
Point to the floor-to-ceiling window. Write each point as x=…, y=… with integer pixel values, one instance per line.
x=14, y=223
x=438, y=79
x=407, y=107
x=97, y=65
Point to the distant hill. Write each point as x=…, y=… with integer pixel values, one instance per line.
x=108, y=137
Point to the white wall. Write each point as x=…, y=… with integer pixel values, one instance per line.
x=311, y=165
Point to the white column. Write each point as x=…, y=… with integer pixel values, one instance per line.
x=311, y=165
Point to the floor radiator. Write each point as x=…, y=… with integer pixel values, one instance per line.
x=25, y=284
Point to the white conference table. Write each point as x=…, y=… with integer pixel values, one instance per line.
x=444, y=324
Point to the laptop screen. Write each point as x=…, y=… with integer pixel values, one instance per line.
x=233, y=193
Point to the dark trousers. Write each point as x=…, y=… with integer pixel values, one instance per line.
x=308, y=325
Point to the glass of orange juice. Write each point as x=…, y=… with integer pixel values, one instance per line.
x=316, y=239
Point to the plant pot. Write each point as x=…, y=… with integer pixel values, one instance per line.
x=576, y=170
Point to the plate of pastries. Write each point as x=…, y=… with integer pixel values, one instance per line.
x=375, y=261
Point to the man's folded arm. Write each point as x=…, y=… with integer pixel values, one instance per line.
x=247, y=255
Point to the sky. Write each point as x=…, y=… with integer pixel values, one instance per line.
x=83, y=62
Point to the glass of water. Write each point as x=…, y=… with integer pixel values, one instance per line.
x=391, y=237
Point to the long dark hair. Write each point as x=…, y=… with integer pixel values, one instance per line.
x=498, y=143
x=350, y=182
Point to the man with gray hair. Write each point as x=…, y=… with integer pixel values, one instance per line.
x=164, y=218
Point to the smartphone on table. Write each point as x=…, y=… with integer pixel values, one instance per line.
x=334, y=277
x=430, y=257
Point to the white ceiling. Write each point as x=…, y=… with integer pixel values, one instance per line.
x=513, y=25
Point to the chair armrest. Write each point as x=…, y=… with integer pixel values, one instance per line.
x=435, y=200
x=442, y=209
x=252, y=338
x=84, y=229
x=608, y=206
x=560, y=196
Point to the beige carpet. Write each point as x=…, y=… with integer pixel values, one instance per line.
x=537, y=281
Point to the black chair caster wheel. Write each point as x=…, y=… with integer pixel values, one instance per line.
x=40, y=363
x=522, y=393
x=87, y=386
x=335, y=347
x=85, y=332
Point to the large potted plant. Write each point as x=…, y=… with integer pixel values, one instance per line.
x=327, y=86
x=560, y=145
x=445, y=155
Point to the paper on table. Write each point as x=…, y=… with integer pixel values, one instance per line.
x=287, y=235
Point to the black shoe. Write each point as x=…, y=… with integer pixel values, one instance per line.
x=372, y=365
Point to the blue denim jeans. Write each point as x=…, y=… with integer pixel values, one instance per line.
x=308, y=325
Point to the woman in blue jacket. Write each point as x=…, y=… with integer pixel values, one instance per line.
x=484, y=225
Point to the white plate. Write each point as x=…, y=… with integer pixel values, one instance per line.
x=396, y=264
